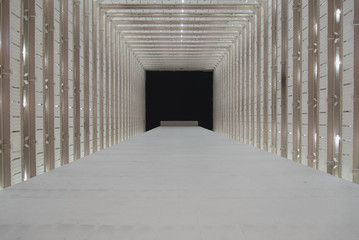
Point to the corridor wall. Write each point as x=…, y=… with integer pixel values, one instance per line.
x=300, y=101
x=73, y=89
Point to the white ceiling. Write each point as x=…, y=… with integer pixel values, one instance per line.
x=179, y=34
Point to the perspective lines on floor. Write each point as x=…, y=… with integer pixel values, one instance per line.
x=181, y=183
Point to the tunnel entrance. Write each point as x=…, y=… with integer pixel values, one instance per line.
x=179, y=96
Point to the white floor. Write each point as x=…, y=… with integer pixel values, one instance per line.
x=181, y=183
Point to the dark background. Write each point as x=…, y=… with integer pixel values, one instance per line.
x=179, y=96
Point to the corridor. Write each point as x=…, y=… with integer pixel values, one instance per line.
x=181, y=183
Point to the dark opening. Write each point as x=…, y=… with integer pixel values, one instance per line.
x=179, y=96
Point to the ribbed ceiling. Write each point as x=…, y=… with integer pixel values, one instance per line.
x=179, y=34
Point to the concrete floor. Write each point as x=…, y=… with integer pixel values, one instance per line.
x=181, y=183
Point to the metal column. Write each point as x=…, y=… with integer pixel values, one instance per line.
x=107, y=90
x=28, y=129
x=252, y=81
x=356, y=95
x=117, y=85
x=274, y=77
x=101, y=80
x=94, y=76
x=244, y=32
x=238, y=94
x=297, y=81
x=64, y=89
x=247, y=83
x=112, y=86
x=76, y=78
x=335, y=69
x=121, y=88
x=265, y=76
x=284, y=80
x=86, y=72
x=5, y=145
x=48, y=85
x=313, y=83
x=127, y=95
x=259, y=34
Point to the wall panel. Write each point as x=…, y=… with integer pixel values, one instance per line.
x=279, y=57
x=263, y=101
x=70, y=83
x=82, y=81
x=323, y=83
x=15, y=92
x=269, y=90
x=39, y=94
x=304, y=59
x=290, y=80
x=90, y=80
x=347, y=92
x=132, y=87
x=57, y=86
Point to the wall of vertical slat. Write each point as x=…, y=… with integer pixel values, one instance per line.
x=310, y=82
x=51, y=102
x=335, y=138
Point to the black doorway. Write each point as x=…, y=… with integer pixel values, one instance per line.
x=179, y=96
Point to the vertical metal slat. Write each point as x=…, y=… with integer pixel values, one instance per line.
x=356, y=95
x=64, y=78
x=274, y=76
x=107, y=90
x=313, y=83
x=48, y=85
x=86, y=71
x=252, y=93
x=284, y=79
x=94, y=75
x=297, y=80
x=5, y=146
x=259, y=69
x=265, y=76
x=112, y=86
x=335, y=52
x=101, y=79
x=76, y=79
x=28, y=113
